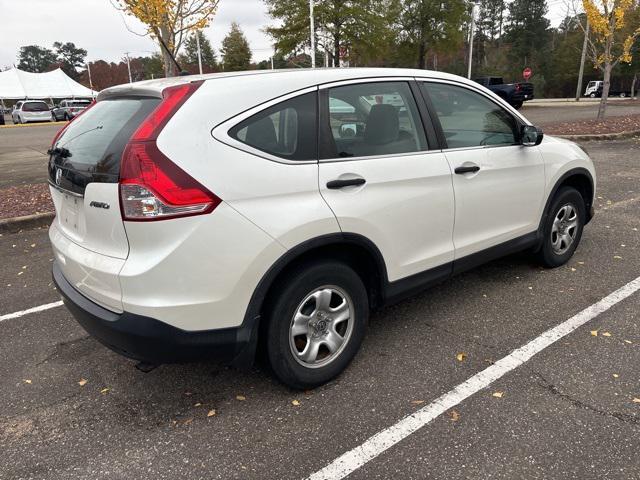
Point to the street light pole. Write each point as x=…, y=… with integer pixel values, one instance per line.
x=473, y=31
x=129, y=66
x=199, y=53
x=313, y=35
x=582, y=60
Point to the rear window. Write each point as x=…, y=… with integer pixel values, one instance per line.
x=78, y=104
x=91, y=148
x=35, y=107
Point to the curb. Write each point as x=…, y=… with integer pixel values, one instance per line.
x=599, y=136
x=15, y=224
x=35, y=124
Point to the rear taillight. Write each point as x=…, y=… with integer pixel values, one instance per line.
x=517, y=87
x=152, y=187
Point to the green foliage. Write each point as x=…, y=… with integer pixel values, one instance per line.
x=235, y=51
x=33, y=58
x=528, y=34
x=360, y=27
x=70, y=57
x=190, y=55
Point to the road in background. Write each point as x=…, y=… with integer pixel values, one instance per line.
x=567, y=413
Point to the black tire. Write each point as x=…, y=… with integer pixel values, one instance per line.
x=67, y=118
x=517, y=105
x=291, y=292
x=547, y=255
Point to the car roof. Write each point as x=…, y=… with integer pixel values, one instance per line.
x=298, y=77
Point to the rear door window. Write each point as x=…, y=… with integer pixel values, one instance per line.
x=370, y=119
x=286, y=130
x=90, y=149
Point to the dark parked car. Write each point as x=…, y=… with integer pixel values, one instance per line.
x=67, y=109
x=514, y=93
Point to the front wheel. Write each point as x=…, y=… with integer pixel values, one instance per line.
x=563, y=226
x=316, y=323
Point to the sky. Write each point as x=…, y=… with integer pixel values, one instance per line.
x=105, y=33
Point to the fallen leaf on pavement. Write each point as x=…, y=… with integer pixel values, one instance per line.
x=241, y=398
x=104, y=390
x=211, y=413
x=498, y=394
x=594, y=333
x=82, y=382
x=295, y=403
x=617, y=257
x=26, y=380
x=187, y=421
x=455, y=416
x=197, y=404
x=606, y=334
x=636, y=400
x=417, y=402
x=628, y=341
x=461, y=356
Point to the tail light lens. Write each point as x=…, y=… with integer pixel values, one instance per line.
x=152, y=187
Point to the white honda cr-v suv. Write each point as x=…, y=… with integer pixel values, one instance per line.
x=203, y=216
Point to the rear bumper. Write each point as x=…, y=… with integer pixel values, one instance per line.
x=147, y=339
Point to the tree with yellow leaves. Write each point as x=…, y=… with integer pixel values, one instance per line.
x=614, y=30
x=169, y=21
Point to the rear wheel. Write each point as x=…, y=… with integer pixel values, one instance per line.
x=517, y=105
x=316, y=323
x=563, y=228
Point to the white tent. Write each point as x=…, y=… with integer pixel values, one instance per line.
x=17, y=84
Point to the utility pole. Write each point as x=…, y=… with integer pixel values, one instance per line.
x=313, y=35
x=473, y=31
x=89, y=72
x=272, y=62
x=582, y=59
x=128, y=66
x=199, y=53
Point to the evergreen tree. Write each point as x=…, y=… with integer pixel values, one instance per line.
x=358, y=27
x=528, y=34
x=431, y=24
x=235, y=51
x=70, y=57
x=190, y=55
x=33, y=58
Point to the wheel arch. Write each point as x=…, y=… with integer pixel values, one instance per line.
x=578, y=178
x=357, y=251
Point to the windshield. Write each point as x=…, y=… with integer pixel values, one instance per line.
x=35, y=107
x=91, y=147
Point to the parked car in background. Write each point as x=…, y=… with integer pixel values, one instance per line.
x=67, y=109
x=31, y=111
x=514, y=93
x=594, y=89
x=303, y=200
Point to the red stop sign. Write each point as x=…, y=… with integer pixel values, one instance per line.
x=526, y=73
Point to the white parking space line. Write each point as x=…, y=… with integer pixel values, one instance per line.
x=39, y=308
x=385, y=439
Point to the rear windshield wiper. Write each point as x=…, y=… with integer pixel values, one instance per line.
x=59, y=152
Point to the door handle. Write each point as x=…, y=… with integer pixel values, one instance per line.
x=468, y=169
x=349, y=182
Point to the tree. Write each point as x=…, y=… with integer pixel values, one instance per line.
x=614, y=26
x=168, y=21
x=359, y=27
x=235, y=51
x=432, y=24
x=190, y=55
x=33, y=58
x=70, y=58
x=528, y=34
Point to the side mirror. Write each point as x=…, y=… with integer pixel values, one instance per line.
x=531, y=136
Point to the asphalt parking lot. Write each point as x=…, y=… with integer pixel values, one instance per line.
x=568, y=412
